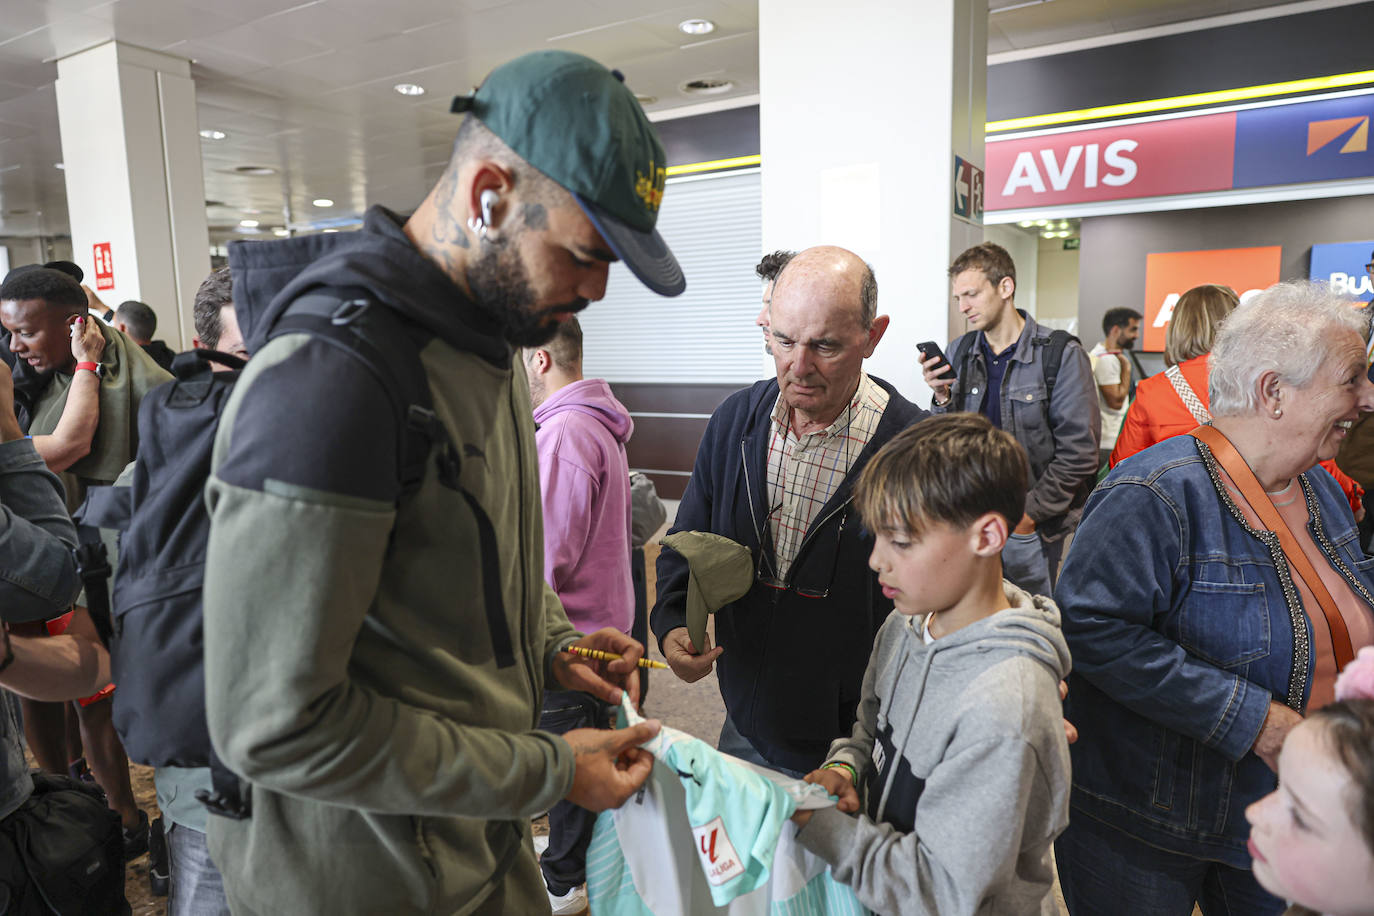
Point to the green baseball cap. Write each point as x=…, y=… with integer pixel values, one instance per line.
x=719, y=571
x=579, y=124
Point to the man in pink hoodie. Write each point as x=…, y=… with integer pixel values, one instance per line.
x=581, y=431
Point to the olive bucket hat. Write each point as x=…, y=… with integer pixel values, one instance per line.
x=719, y=571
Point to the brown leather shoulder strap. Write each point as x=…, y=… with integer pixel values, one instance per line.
x=1249, y=486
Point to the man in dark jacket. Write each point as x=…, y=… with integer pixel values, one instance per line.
x=775, y=471
x=375, y=656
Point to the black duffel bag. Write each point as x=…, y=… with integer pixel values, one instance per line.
x=62, y=852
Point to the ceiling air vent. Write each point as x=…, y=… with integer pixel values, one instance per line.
x=707, y=86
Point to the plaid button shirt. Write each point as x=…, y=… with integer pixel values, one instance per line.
x=805, y=471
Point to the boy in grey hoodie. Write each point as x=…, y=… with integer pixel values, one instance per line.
x=958, y=763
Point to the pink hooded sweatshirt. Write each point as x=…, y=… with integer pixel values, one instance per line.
x=585, y=479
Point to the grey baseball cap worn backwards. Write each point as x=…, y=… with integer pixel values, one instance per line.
x=579, y=124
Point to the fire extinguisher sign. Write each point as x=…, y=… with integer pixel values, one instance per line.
x=104, y=266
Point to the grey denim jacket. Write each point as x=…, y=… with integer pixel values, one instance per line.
x=37, y=579
x=1060, y=433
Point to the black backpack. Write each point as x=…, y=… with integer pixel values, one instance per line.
x=156, y=641
x=62, y=852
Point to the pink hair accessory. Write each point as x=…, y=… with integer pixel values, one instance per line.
x=1356, y=682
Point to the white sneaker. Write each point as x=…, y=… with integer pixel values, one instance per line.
x=571, y=903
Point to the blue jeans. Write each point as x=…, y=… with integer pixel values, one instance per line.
x=197, y=888
x=1030, y=563
x=736, y=745
x=564, y=863
x=1104, y=871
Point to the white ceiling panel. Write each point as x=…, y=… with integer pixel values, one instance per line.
x=305, y=86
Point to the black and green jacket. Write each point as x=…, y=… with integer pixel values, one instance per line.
x=351, y=675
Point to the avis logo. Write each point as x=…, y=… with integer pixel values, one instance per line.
x=1114, y=168
x=1166, y=310
x=1321, y=134
x=718, y=857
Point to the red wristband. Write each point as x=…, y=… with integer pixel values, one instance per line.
x=94, y=367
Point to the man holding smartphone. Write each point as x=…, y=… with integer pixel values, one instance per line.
x=1036, y=384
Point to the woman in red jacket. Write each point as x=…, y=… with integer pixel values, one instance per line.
x=1175, y=401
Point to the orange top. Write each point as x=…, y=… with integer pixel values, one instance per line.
x=1158, y=413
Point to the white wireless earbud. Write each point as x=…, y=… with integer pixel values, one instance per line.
x=488, y=200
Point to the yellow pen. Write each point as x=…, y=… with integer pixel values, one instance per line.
x=610, y=656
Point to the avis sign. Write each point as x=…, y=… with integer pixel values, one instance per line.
x=1112, y=163
x=1168, y=275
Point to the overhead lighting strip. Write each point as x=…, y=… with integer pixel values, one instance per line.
x=713, y=165
x=1216, y=97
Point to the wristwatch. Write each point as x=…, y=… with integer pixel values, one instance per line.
x=98, y=369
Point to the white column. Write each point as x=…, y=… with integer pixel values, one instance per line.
x=864, y=106
x=131, y=151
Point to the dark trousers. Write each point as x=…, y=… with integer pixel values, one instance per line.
x=639, y=630
x=564, y=863
x=1104, y=872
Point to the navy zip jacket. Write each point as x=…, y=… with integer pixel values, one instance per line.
x=794, y=657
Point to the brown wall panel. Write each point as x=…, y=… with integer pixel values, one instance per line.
x=669, y=486
x=665, y=443
x=672, y=398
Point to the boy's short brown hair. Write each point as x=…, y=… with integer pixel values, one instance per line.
x=946, y=469
x=992, y=259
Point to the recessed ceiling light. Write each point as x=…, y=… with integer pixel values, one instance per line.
x=58, y=165
x=1047, y=235
x=209, y=134
x=322, y=202
x=409, y=89
x=331, y=230
x=248, y=223
x=646, y=99
x=697, y=26
x=1025, y=224
x=281, y=233
x=257, y=170
x=1042, y=222
x=707, y=86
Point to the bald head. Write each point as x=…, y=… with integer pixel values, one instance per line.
x=824, y=326
x=837, y=274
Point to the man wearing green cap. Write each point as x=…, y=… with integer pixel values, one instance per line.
x=376, y=643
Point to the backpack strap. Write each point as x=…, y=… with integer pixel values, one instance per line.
x=1054, y=357
x=378, y=338
x=104, y=507
x=958, y=356
x=381, y=340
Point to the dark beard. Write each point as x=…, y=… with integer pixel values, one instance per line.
x=501, y=287
x=1128, y=344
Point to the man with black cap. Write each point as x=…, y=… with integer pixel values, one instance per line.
x=375, y=656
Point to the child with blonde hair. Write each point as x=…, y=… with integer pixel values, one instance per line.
x=1312, y=838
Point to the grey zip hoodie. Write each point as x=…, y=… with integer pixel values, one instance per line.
x=963, y=761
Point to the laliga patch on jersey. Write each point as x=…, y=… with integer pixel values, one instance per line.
x=718, y=857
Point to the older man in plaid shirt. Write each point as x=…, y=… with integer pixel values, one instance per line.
x=774, y=472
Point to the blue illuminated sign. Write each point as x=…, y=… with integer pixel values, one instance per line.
x=1343, y=266
x=1310, y=141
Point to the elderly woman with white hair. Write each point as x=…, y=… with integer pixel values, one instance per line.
x=1213, y=591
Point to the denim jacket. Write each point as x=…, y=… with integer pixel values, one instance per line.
x=1060, y=432
x=37, y=580
x=1184, y=623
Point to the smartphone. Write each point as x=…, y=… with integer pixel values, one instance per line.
x=930, y=348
